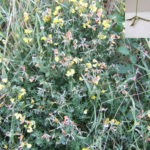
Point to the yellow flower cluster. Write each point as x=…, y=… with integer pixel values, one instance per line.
x=106, y=24
x=72, y=10
x=5, y=146
x=20, y=117
x=80, y=5
x=72, y=1
x=74, y=60
x=112, y=121
x=96, y=80
x=87, y=24
x=95, y=64
x=93, y=7
x=101, y=36
x=89, y=65
x=70, y=72
x=85, y=149
x=27, y=40
x=30, y=126
x=43, y=38
x=46, y=18
x=26, y=16
x=59, y=21
x=2, y=86
x=55, y=13
x=22, y=92
x=47, y=15
x=28, y=31
x=4, y=80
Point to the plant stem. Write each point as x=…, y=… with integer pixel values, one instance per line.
x=135, y=18
x=137, y=6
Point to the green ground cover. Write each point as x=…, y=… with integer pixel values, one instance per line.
x=69, y=78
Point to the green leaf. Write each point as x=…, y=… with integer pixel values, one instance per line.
x=133, y=59
x=124, y=68
x=123, y=50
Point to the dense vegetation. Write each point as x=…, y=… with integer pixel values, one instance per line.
x=69, y=78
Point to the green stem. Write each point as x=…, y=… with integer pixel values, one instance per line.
x=137, y=1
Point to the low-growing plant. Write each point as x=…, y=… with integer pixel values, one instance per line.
x=69, y=79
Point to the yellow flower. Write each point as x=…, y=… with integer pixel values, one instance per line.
x=55, y=13
x=57, y=20
x=85, y=149
x=80, y=79
x=89, y=65
x=43, y=38
x=137, y=123
x=22, y=119
x=71, y=72
x=1, y=86
x=28, y=145
x=25, y=126
x=29, y=130
x=80, y=59
x=19, y=96
x=26, y=16
x=75, y=60
x=4, y=80
x=50, y=36
x=106, y=121
x=94, y=61
x=93, y=97
x=72, y=10
x=85, y=111
x=56, y=58
x=86, y=69
x=12, y=100
x=106, y=24
x=148, y=115
x=28, y=31
x=58, y=8
x=103, y=91
x=112, y=121
x=5, y=146
x=148, y=127
x=94, y=65
x=23, y=91
x=84, y=25
x=46, y=18
x=117, y=122
x=27, y=40
x=102, y=37
x=56, y=120
x=32, y=101
x=93, y=8
x=72, y=0
x=17, y=115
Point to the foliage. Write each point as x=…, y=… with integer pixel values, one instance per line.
x=69, y=79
